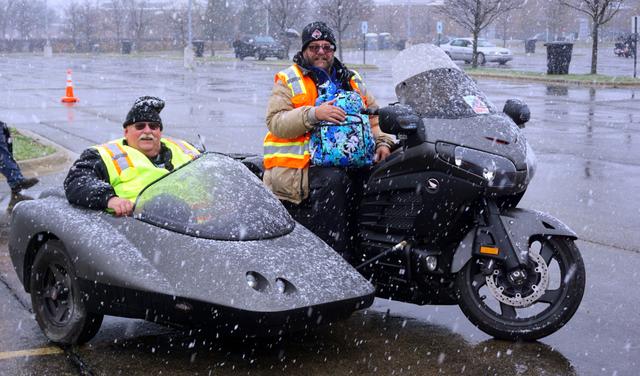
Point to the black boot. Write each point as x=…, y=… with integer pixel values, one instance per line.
x=24, y=184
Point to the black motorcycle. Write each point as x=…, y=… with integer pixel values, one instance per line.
x=625, y=46
x=438, y=222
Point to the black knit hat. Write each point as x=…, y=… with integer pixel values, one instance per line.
x=317, y=30
x=145, y=109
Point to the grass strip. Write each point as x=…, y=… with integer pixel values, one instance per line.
x=584, y=79
x=27, y=148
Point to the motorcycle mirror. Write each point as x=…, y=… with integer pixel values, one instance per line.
x=518, y=111
x=399, y=119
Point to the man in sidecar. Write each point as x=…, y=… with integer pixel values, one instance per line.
x=111, y=175
x=317, y=154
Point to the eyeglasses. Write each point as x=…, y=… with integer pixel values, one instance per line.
x=152, y=126
x=315, y=48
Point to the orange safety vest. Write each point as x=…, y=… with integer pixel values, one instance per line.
x=294, y=152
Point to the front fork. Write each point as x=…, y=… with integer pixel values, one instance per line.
x=493, y=242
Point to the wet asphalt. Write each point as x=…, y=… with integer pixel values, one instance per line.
x=586, y=141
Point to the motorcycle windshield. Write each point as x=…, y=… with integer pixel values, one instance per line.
x=426, y=79
x=214, y=197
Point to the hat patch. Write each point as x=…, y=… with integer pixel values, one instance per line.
x=316, y=34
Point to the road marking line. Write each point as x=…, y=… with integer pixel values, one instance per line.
x=33, y=352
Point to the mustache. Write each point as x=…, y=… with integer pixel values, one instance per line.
x=146, y=137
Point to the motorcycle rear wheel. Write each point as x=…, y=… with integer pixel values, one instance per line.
x=510, y=312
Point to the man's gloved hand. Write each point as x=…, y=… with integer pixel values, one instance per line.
x=328, y=112
x=120, y=206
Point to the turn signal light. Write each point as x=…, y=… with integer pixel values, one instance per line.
x=489, y=250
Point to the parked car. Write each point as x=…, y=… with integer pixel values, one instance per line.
x=260, y=47
x=462, y=49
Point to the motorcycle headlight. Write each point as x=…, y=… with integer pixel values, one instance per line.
x=496, y=170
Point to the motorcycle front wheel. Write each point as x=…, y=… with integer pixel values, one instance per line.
x=535, y=306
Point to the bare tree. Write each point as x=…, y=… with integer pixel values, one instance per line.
x=285, y=14
x=136, y=19
x=89, y=23
x=6, y=10
x=118, y=17
x=217, y=19
x=556, y=18
x=476, y=15
x=505, y=22
x=27, y=17
x=252, y=17
x=341, y=14
x=600, y=12
x=176, y=20
x=81, y=23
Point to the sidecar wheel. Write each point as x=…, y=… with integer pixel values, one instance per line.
x=539, y=306
x=56, y=298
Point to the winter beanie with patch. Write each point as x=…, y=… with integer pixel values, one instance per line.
x=145, y=109
x=317, y=31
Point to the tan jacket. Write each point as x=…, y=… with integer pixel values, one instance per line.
x=285, y=121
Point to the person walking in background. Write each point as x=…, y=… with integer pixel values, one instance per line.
x=8, y=165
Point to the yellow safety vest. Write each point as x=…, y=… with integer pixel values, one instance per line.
x=130, y=170
x=294, y=152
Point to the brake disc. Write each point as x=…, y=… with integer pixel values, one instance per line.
x=518, y=300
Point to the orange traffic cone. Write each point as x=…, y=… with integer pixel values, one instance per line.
x=68, y=96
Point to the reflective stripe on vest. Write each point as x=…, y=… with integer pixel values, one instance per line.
x=286, y=152
x=119, y=156
x=292, y=77
x=185, y=147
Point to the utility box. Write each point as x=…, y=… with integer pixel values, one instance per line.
x=530, y=46
x=371, y=40
x=198, y=47
x=558, y=57
x=126, y=46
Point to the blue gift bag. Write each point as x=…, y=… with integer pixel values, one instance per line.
x=350, y=144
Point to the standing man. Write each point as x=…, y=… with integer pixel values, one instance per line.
x=8, y=165
x=111, y=175
x=323, y=199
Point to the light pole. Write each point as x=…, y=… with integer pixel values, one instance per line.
x=408, y=20
x=190, y=36
x=267, y=9
x=48, y=51
x=189, y=55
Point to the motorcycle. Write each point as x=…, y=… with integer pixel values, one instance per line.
x=438, y=222
x=625, y=46
x=623, y=49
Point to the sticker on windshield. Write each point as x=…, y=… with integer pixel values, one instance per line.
x=478, y=106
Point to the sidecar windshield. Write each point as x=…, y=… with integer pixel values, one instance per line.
x=214, y=197
x=426, y=79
